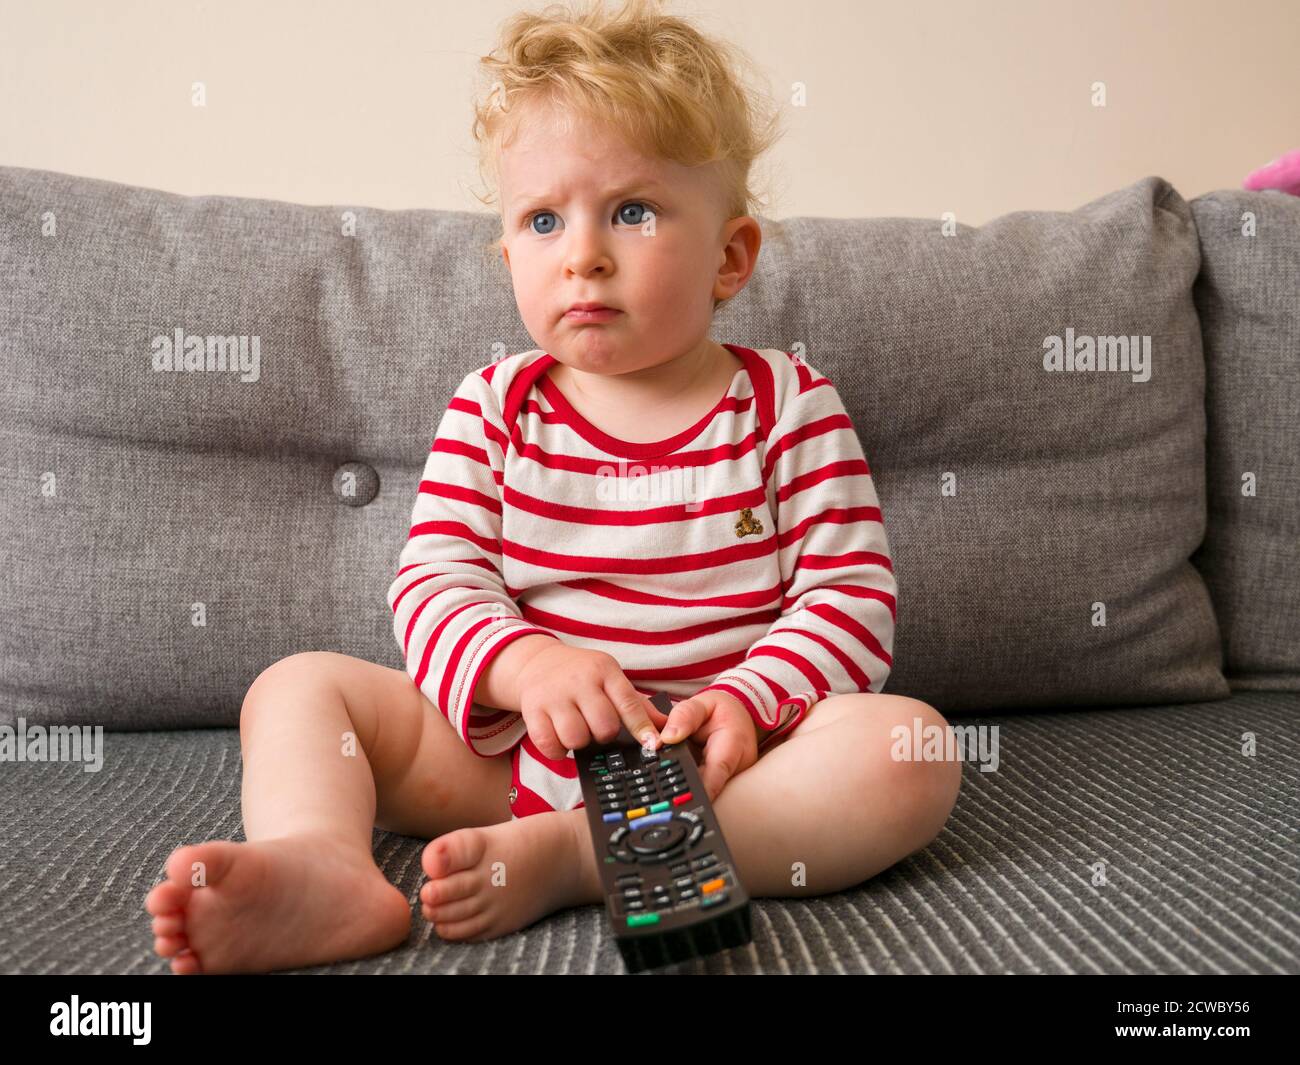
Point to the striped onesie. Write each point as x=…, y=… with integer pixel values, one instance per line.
x=745, y=554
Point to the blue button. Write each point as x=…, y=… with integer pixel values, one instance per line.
x=612, y=817
x=651, y=819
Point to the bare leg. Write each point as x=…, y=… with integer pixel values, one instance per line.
x=829, y=808
x=834, y=770
x=305, y=889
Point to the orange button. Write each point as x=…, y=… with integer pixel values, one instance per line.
x=712, y=885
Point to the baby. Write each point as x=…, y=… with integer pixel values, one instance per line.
x=630, y=507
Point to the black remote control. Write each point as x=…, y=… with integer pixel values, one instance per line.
x=671, y=888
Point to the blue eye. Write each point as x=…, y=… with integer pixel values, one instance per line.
x=636, y=205
x=639, y=208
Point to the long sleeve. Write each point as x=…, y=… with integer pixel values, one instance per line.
x=451, y=611
x=835, y=634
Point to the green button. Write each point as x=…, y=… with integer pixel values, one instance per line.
x=659, y=806
x=634, y=919
x=610, y=858
x=666, y=761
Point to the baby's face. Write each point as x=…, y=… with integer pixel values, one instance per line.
x=576, y=207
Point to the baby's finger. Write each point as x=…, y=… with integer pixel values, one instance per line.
x=540, y=729
x=558, y=729
x=601, y=716
x=722, y=754
x=633, y=708
x=684, y=719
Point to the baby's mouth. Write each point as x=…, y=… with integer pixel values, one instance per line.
x=603, y=314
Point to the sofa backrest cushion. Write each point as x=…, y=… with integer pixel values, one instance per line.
x=1248, y=296
x=168, y=533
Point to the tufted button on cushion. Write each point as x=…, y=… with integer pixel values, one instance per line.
x=355, y=484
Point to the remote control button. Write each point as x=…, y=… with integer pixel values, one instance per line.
x=679, y=799
x=713, y=885
x=634, y=919
x=642, y=817
x=654, y=836
x=657, y=807
x=640, y=811
x=628, y=878
x=612, y=817
x=704, y=861
x=712, y=900
x=631, y=893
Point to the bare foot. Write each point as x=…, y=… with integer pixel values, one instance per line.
x=487, y=882
x=273, y=904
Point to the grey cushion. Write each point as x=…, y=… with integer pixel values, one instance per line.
x=169, y=534
x=1073, y=488
x=1196, y=840
x=1248, y=295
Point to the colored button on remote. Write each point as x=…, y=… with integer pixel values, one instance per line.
x=634, y=919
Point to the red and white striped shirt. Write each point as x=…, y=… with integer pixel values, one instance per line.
x=747, y=553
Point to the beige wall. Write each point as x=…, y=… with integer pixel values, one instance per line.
x=913, y=108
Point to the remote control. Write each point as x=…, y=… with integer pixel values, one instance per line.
x=671, y=888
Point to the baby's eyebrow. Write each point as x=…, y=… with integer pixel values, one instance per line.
x=528, y=199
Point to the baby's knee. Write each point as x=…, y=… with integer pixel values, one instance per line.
x=923, y=763
x=289, y=674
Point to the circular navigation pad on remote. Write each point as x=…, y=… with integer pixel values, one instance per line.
x=653, y=839
x=657, y=842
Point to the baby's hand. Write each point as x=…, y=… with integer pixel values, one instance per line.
x=730, y=735
x=568, y=695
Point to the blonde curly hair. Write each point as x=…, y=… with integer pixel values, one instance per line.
x=671, y=91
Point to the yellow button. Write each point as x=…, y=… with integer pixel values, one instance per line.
x=638, y=812
x=712, y=885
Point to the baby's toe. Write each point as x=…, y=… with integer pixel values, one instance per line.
x=186, y=965
x=166, y=898
x=452, y=853
x=457, y=911
x=169, y=946
x=466, y=931
x=449, y=888
x=201, y=863
x=171, y=924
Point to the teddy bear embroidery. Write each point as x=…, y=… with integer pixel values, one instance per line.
x=748, y=524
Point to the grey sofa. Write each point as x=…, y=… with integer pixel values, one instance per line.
x=1102, y=563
